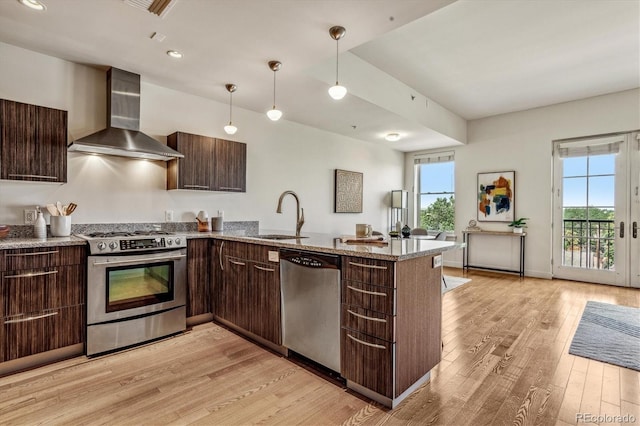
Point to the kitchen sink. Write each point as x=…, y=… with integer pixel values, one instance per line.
x=276, y=237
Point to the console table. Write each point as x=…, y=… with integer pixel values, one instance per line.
x=466, y=237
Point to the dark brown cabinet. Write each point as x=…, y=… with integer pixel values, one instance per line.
x=247, y=289
x=42, y=296
x=33, y=142
x=209, y=164
x=231, y=166
x=198, y=277
x=391, y=320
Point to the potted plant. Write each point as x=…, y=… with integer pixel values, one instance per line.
x=519, y=224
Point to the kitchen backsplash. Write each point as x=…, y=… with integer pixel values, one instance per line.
x=26, y=231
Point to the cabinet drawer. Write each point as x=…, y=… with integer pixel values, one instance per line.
x=367, y=361
x=15, y=260
x=374, y=298
x=368, y=322
x=42, y=331
x=371, y=271
x=233, y=249
x=34, y=290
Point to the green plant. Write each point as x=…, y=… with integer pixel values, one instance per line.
x=519, y=223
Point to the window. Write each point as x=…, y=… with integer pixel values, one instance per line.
x=435, y=202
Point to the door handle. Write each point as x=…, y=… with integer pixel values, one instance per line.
x=621, y=229
x=635, y=229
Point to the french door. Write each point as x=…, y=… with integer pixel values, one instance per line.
x=596, y=209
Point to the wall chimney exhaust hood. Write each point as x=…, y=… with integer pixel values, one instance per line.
x=123, y=137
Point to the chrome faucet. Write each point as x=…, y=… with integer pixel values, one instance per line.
x=299, y=210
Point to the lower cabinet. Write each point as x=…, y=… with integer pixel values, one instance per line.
x=367, y=361
x=264, y=296
x=42, y=296
x=198, y=277
x=29, y=334
x=247, y=289
x=391, y=320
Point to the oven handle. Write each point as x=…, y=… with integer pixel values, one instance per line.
x=155, y=259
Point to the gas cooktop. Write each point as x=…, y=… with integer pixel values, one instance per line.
x=120, y=242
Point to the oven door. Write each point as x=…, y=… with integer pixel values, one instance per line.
x=135, y=284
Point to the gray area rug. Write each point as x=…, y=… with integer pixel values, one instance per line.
x=609, y=333
x=453, y=282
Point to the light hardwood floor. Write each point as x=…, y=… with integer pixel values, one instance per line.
x=505, y=361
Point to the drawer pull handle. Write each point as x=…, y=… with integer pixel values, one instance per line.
x=40, y=253
x=262, y=268
x=236, y=262
x=197, y=186
x=355, y=314
x=362, y=265
x=13, y=321
x=365, y=343
x=372, y=293
x=33, y=176
x=31, y=274
x=233, y=188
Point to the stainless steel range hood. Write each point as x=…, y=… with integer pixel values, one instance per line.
x=123, y=137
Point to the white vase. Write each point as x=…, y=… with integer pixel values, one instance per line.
x=518, y=230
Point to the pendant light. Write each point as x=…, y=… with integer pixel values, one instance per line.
x=274, y=114
x=337, y=92
x=230, y=128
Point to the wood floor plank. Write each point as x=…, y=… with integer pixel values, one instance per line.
x=505, y=362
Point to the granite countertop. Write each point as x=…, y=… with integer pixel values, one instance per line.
x=395, y=249
x=18, y=243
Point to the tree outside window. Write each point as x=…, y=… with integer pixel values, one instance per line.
x=436, y=198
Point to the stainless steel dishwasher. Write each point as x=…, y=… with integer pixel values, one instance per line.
x=310, y=287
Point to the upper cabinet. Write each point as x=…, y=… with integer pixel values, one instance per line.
x=231, y=166
x=209, y=164
x=33, y=142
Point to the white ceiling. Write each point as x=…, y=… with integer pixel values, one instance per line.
x=475, y=58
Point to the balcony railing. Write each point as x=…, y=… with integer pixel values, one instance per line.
x=589, y=243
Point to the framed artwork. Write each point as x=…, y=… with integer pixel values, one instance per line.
x=348, y=192
x=496, y=196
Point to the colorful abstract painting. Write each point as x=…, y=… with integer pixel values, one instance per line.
x=496, y=196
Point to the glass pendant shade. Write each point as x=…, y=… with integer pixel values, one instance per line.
x=337, y=92
x=274, y=114
x=230, y=129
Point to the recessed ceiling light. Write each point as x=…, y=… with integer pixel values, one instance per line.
x=174, y=54
x=33, y=4
x=392, y=137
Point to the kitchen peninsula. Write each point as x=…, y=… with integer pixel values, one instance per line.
x=390, y=304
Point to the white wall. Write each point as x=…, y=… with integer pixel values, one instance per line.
x=280, y=156
x=522, y=141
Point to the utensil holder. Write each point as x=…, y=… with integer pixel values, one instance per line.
x=60, y=226
x=216, y=223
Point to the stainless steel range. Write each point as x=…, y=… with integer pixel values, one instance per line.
x=136, y=288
